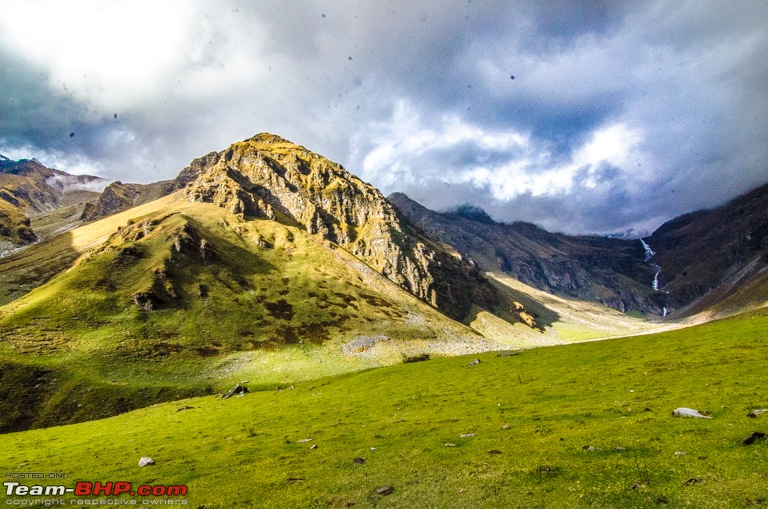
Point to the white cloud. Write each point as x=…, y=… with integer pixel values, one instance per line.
x=506, y=162
x=56, y=159
x=122, y=54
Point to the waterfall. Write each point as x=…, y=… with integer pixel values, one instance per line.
x=664, y=311
x=655, y=284
x=648, y=251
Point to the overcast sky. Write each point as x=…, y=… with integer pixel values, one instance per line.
x=578, y=116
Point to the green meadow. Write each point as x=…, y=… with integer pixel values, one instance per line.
x=580, y=425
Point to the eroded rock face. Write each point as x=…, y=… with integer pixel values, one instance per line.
x=269, y=177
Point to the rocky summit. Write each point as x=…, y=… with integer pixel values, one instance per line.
x=267, y=176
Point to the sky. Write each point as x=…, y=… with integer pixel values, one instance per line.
x=579, y=116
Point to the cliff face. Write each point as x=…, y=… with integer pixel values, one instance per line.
x=269, y=177
x=119, y=196
x=705, y=256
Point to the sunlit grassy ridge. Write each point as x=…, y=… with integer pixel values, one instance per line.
x=585, y=425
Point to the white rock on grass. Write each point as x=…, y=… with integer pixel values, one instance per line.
x=146, y=461
x=689, y=412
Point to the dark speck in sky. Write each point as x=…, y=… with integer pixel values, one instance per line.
x=71, y=135
x=512, y=77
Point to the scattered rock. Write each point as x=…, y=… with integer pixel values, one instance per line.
x=619, y=449
x=185, y=407
x=385, y=490
x=755, y=413
x=692, y=481
x=689, y=412
x=358, y=461
x=314, y=446
x=508, y=354
x=303, y=440
x=450, y=445
x=373, y=449
x=588, y=448
x=506, y=426
x=467, y=435
x=494, y=451
x=751, y=439
x=146, y=461
x=681, y=453
x=238, y=390
x=293, y=479
x=474, y=362
x=147, y=301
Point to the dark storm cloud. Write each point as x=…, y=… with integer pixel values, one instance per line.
x=619, y=114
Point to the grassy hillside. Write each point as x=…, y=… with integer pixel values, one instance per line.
x=182, y=297
x=584, y=425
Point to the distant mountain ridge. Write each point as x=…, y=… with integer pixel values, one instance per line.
x=714, y=255
x=699, y=259
x=593, y=268
x=610, y=269
x=28, y=188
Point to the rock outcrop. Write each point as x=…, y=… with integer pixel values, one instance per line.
x=118, y=196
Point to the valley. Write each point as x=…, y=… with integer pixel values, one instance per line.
x=383, y=345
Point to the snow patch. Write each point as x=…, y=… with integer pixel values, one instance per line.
x=68, y=183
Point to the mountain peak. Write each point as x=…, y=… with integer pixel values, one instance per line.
x=270, y=139
x=271, y=178
x=473, y=213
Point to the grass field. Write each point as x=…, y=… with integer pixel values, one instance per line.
x=582, y=425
